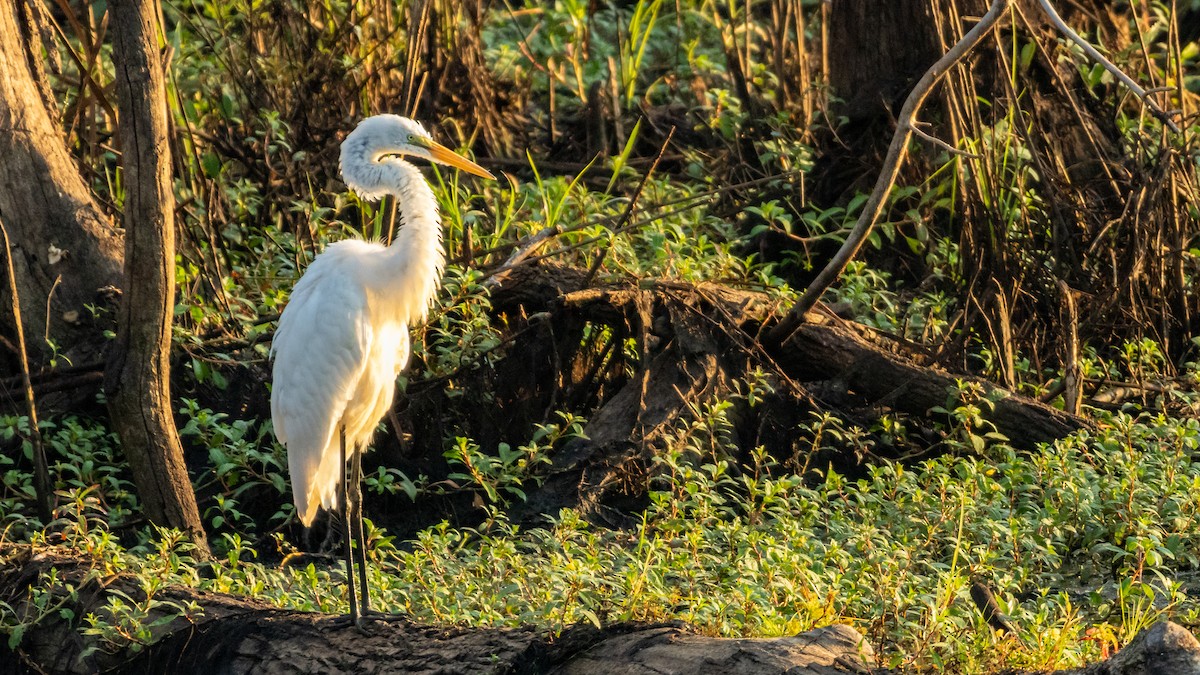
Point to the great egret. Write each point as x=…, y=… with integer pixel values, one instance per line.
x=343, y=337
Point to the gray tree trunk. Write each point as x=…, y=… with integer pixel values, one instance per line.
x=45, y=203
x=137, y=377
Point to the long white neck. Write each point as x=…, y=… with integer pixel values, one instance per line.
x=412, y=268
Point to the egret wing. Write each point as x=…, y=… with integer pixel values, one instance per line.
x=320, y=352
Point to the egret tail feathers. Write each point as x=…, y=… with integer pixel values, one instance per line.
x=315, y=477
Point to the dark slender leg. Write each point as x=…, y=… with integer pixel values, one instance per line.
x=342, y=502
x=355, y=488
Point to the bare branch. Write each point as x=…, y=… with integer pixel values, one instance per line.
x=529, y=246
x=887, y=175
x=943, y=144
x=630, y=206
x=1164, y=116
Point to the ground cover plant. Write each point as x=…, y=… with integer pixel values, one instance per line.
x=665, y=164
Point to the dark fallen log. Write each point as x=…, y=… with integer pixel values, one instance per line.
x=226, y=635
x=825, y=349
x=696, y=341
x=230, y=635
x=889, y=372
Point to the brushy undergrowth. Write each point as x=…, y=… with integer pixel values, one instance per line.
x=1088, y=541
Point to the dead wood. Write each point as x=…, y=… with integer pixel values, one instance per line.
x=695, y=343
x=823, y=651
x=231, y=635
x=882, y=371
x=685, y=367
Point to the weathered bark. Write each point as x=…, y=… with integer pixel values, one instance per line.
x=137, y=377
x=831, y=650
x=232, y=635
x=903, y=44
x=46, y=204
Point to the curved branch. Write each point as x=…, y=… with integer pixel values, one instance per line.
x=1163, y=116
x=887, y=175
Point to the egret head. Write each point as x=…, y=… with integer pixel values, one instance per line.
x=378, y=139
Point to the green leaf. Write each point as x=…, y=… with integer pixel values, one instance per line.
x=591, y=616
x=211, y=164
x=14, y=638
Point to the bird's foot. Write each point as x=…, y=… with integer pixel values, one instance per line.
x=340, y=621
x=374, y=615
x=361, y=619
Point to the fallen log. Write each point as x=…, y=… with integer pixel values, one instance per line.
x=887, y=371
x=832, y=650
x=232, y=636
x=220, y=633
x=824, y=348
x=696, y=342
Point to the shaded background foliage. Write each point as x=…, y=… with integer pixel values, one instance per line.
x=777, y=118
x=776, y=109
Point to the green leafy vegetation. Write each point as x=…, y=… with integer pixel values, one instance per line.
x=1094, y=529
x=1086, y=540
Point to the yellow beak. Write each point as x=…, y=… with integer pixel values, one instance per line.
x=441, y=153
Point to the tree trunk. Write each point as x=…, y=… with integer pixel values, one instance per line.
x=137, y=377
x=903, y=45
x=878, y=50
x=46, y=206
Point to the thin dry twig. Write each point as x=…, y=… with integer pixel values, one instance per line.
x=530, y=245
x=943, y=144
x=690, y=201
x=1072, y=373
x=85, y=72
x=1163, y=115
x=633, y=200
x=41, y=480
x=527, y=248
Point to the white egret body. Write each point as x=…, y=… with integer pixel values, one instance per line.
x=343, y=337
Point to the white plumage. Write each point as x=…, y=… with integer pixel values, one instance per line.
x=338, y=350
x=343, y=337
